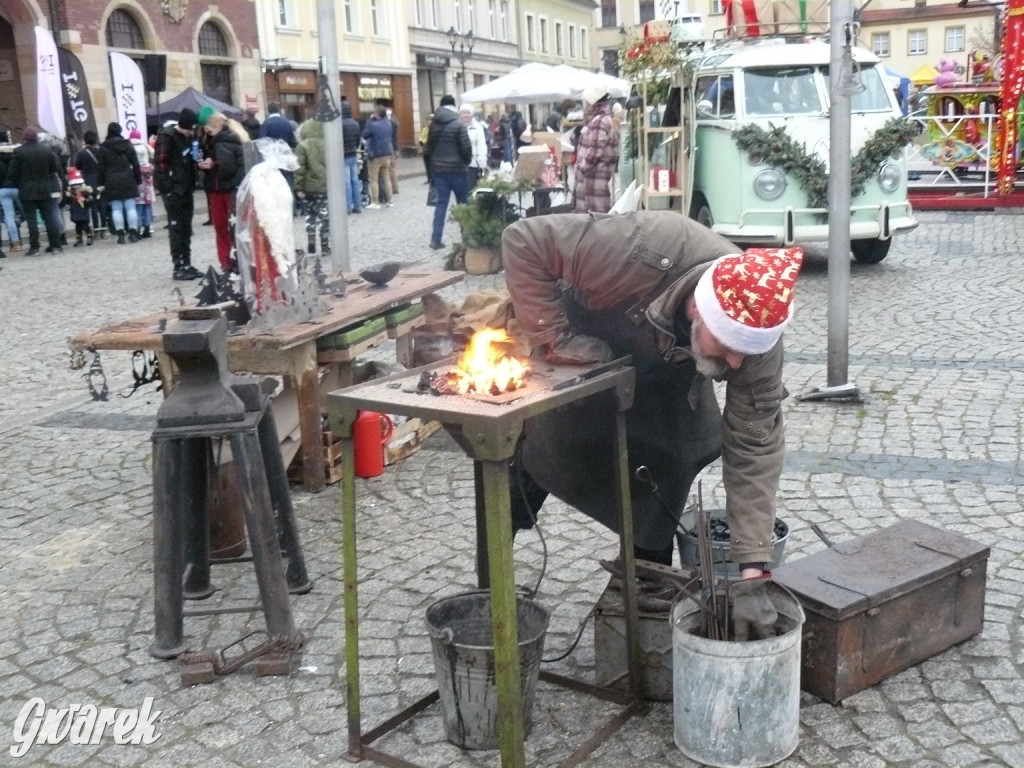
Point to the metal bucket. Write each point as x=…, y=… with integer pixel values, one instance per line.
x=460, y=634
x=721, y=552
x=737, y=705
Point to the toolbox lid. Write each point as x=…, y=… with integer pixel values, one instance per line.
x=858, y=574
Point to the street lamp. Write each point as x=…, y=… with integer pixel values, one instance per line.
x=465, y=43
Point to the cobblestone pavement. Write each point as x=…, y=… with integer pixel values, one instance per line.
x=935, y=347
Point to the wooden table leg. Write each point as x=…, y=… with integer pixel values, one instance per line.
x=304, y=371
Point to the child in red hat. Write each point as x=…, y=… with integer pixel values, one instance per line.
x=79, y=197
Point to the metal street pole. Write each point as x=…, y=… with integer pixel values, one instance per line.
x=337, y=203
x=842, y=83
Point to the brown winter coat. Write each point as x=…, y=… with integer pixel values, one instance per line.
x=629, y=277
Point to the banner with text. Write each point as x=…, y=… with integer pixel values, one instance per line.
x=77, y=104
x=49, y=101
x=129, y=94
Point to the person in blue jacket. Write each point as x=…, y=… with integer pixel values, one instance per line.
x=277, y=126
x=379, y=137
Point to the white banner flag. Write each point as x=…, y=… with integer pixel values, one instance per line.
x=129, y=94
x=49, y=97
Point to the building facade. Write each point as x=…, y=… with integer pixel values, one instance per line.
x=557, y=31
x=372, y=45
x=212, y=47
x=912, y=35
x=906, y=34
x=456, y=45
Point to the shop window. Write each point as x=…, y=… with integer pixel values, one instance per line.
x=123, y=31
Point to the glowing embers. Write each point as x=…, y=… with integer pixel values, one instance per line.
x=485, y=368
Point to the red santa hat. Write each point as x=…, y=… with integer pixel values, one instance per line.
x=746, y=299
x=74, y=176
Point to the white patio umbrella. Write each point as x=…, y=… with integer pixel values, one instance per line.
x=537, y=83
x=581, y=79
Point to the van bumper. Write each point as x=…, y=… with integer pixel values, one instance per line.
x=887, y=220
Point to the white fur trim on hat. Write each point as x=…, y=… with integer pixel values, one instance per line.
x=745, y=339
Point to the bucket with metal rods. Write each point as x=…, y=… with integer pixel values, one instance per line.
x=735, y=704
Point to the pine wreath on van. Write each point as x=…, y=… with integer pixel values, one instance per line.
x=777, y=149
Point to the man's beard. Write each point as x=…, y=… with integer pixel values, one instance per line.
x=713, y=367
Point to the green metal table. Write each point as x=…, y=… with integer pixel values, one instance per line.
x=487, y=429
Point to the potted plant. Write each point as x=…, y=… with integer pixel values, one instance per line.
x=482, y=221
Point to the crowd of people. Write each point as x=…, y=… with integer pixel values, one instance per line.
x=110, y=186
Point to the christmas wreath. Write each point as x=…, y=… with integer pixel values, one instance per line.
x=776, y=148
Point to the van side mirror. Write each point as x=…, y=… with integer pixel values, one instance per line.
x=705, y=108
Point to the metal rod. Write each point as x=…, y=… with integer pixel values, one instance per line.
x=350, y=581
x=337, y=202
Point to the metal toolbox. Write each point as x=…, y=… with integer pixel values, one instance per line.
x=883, y=602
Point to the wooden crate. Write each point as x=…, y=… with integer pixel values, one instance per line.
x=406, y=440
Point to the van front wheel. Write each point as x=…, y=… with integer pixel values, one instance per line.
x=870, y=251
x=701, y=212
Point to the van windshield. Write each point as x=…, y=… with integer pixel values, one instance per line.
x=874, y=97
x=781, y=91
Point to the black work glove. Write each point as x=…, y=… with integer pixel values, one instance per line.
x=753, y=613
x=569, y=349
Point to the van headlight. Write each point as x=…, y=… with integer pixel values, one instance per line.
x=889, y=177
x=769, y=184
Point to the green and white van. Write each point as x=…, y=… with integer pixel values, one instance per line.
x=778, y=88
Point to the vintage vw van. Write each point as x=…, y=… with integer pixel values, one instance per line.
x=779, y=82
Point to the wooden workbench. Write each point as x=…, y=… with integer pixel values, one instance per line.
x=291, y=350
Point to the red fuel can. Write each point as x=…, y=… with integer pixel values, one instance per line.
x=370, y=434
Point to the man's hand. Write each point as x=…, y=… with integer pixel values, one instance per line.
x=569, y=349
x=753, y=613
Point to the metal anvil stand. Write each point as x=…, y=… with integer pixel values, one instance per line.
x=488, y=432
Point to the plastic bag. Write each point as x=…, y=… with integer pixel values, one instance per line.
x=629, y=201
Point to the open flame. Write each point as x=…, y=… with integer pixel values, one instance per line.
x=486, y=367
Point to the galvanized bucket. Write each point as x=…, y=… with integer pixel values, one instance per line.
x=721, y=551
x=460, y=634
x=737, y=705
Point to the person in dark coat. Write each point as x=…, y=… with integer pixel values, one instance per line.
x=277, y=126
x=174, y=174
x=351, y=135
x=224, y=166
x=252, y=124
x=35, y=171
x=450, y=154
x=119, y=178
x=380, y=149
x=87, y=161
